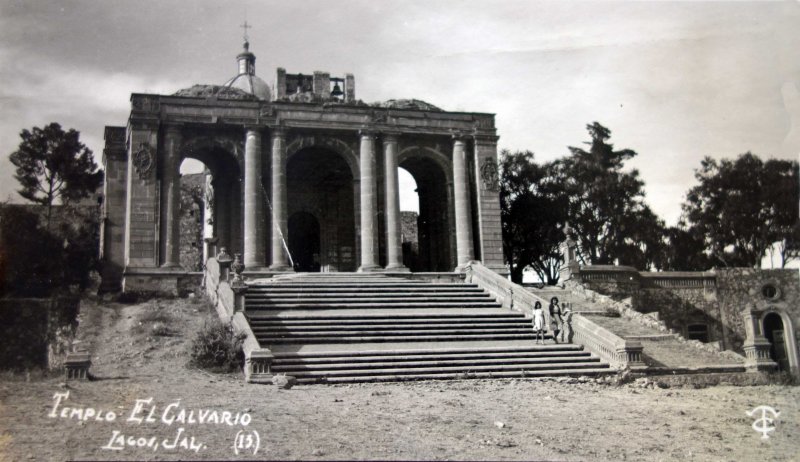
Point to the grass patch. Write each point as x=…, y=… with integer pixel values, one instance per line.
x=217, y=348
x=157, y=320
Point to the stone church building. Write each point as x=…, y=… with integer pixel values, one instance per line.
x=301, y=176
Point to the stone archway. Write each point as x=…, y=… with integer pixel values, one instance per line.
x=320, y=184
x=777, y=328
x=774, y=332
x=435, y=224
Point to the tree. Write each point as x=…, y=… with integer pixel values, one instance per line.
x=607, y=212
x=742, y=207
x=533, y=212
x=54, y=165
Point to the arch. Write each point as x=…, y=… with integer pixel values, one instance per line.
x=320, y=182
x=216, y=152
x=327, y=142
x=432, y=172
x=770, y=318
x=442, y=160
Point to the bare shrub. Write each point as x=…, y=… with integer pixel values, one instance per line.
x=217, y=348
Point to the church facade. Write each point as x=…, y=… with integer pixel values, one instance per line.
x=300, y=177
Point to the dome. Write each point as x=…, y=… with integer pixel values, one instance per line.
x=247, y=80
x=250, y=83
x=409, y=104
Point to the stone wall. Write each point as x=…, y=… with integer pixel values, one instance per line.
x=713, y=299
x=37, y=332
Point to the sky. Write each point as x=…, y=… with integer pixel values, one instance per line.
x=673, y=81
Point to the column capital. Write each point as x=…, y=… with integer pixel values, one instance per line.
x=367, y=133
x=253, y=127
x=485, y=139
x=390, y=136
x=457, y=136
x=173, y=130
x=278, y=131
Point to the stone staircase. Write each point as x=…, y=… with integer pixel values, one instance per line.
x=349, y=327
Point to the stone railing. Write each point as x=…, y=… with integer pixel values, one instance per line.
x=512, y=296
x=679, y=280
x=228, y=298
x=617, y=351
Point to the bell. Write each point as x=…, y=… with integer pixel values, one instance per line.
x=336, y=92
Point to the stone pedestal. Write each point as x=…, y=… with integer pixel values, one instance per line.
x=77, y=366
x=756, y=346
x=258, y=367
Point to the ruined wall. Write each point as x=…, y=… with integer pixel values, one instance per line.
x=37, y=332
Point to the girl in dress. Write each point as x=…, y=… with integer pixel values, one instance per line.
x=538, y=322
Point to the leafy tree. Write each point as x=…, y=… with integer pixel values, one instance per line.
x=54, y=165
x=533, y=212
x=684, y=250
x=742, y=206
x=607, y=212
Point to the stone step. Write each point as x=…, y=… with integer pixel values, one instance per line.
x=388, y=326
x=370, y=318
x=377, y=295
x=457, y=375
x=394, y=313
x=367, y=290
x=369, y=304
x=443, y=363
x=432, y=356
x=399, y=350
x=414, y=298
x=469, y=368
x=389, y=329
x=359, y=285
x=382, y=321
x=378, y=337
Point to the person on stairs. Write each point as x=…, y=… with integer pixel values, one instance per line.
x=556, y=321
x=566, y=327
x=538, y=322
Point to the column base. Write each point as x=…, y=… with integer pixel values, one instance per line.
x=281, y=268
x=369, y=268
x=171, y=266
x=463, y=266
x=397, y=269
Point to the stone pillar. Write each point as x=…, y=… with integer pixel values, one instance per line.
x=369, y=256
x=464, y=246
x=280, y=238
x=254, y=254
x=756, y=346
x=171, y=194
x=394, y=247
x=487, y=181
x=222, y=212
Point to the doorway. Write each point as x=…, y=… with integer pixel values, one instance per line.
x=304, y=242
x=775, y=333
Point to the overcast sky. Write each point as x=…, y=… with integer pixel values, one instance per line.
x=673, y=81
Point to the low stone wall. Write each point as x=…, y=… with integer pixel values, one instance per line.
x=161, y=282
x=37, y=332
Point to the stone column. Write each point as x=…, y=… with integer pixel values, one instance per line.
x=394, y=248
x=369, y=257
x=254, y=255
x=280, y=238
x=464, y=246
x=171, y=197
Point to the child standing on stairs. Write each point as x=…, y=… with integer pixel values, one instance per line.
x=556, y=321
x=538, y=322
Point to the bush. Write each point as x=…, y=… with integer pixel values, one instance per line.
x=217, y=348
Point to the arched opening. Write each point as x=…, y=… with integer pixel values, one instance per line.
x=304, y=242
x=409, y=215
x=774, y=332
x=210, y=203
x=434, y=252
x=320, y=184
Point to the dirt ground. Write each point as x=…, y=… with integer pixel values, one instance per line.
x=157, y=403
